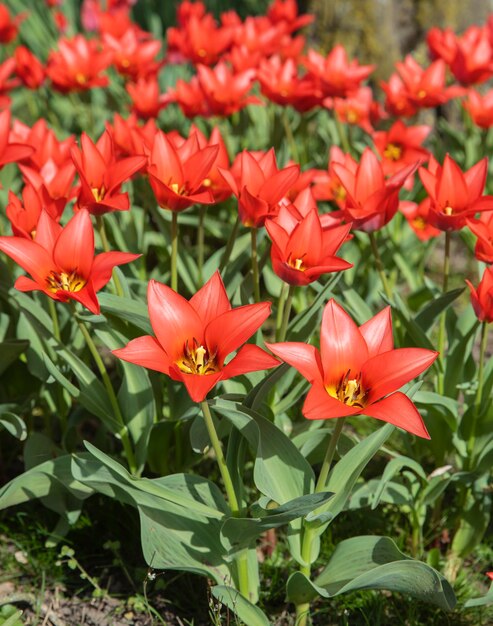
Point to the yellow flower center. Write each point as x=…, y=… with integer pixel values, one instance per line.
x=419, y=223
x=125, y=63
x=98, y=193
x=202, y=53
x=207, y=182
x=180, y=191
x=197, y=360
x=340, y=193
x=448, y=210
x=349, y=391
x=65, y=281
x=392, y=152
x=81, y=78
x=352, y=116
x=422, y=94
x=297, y=264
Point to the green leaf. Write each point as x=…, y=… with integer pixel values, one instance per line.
x=13, y=620
x=391, y=469
x=13, y=424
x=433, y=309
x=240, y=532
x=132, y=311
x=371, y=562
x=243, y=608
x=482, y=601
x=10, y=350
x=280, y=471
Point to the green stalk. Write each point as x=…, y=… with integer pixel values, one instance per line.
x=174, y=250
x=303, y=609
x=200, y=243
x=255, y=272
x=479, y=393
x=230, y=245
x=290, y=137
x=54, y=318
x=441, y=328
x=280, y=309
x=287, y=312
x=341, y=131
x=242, y=559
x=380, y=266
x=123, y=431
x=106, y=248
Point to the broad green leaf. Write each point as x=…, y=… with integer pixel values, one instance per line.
x=247, y=612
x=13, y=424
x=13, y=620
x=240, y=532
x=391, y=469
x=482, y=601
x=371, y=562
x=433, y=309
x=280, y=471
x=132, y=311
x=10, y=350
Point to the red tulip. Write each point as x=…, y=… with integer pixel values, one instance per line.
x=280, y=83
x=302, y=250
x=334, y=74
x=480, y=107
x=286, y=12
x=455, y=195
x=357, y=108
x=482, y=296
x=442, y=44
x=133, y=57
x=199, y=40
x=61, y=261
x=101, y=175
x=357, y=370
x=24, y=216
x=9, y=27
x=400, y=146
x=417, y=216
x=371, y=200
x=190, y=98
x=490, y=575
x=77, y=65
x=194, y=337
x=259, y=185
x=472, y=62
x=226, y=91
x=177, y=173
x=483, y=229
x=28, y=68
x=147, y=99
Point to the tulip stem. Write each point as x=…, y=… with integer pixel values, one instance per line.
x=230, y=245
x=289, y=135
x=54, y=319
x=303, y=609
x=200, y=244
x=341, y=131
x=174, y=250
x=479, y=392
x=255, y=272
x=280, y=309
x=106, y=248
x=123, y=431
x=380, y=267
x=286, y=313
x=242, y=560
x=441, y=329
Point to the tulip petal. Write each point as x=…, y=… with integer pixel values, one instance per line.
x=250, y=358
x=211, y=300
x=32, y=257
x=198, y=386
x=388, y=371
x=103, y=265
x=231, y=329
x=74, y=249
x=377, y=332
x=147, y=352
x=303, y=357
x=342, y=346
x=320, y=405
x=398, y=409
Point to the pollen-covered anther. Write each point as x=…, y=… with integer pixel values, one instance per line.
x=392, y=152
x=448, y=210
x=349, y=391
x=197, y=360
x=65, y=281
x=98, y=193
x=297, y=264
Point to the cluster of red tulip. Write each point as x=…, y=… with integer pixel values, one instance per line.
x=257, y=61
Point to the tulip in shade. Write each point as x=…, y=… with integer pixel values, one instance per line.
x=61, y=261
x=417, y=218
x=194, y=337
x=482, y=297
x=302, y=250
x=371, y=200
x=357, y=370
x=454, y=195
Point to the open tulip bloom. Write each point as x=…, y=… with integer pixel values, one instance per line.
x=357, y=370
x=194, y=337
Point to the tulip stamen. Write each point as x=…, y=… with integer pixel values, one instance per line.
x=98, y=193
x=65, y=281
x=297, y=264
x=197, y=360
x=349, y=391
x=448, y=210
x=392, y=152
